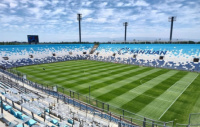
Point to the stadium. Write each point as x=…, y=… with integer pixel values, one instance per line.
x=127, y=84
x=50, y=77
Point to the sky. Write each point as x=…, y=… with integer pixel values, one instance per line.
x=102, y=20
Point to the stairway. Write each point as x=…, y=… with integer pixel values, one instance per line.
x=94, y=48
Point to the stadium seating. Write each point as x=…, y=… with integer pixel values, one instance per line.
x=172, y=56
x=59, y=115
x=16, y=52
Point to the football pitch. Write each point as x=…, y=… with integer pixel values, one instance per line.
x=159, y=94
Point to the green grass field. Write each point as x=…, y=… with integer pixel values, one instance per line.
x=159, y=94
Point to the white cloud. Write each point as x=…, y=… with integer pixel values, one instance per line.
x=106, y=17
x=55, y=2
x=85, y=12
x=10, y=19
x=6, y=24
x=13, y=4
x=105, y=13
x=59, y=11
x=53, y=21
x=119, y=4
x=69, y=22
x=103, y=5
x=47, y=11
x=128, y=4
x=86, y=3
x=36, y=12
x=23, y=1
x=89, y=20
x=134, y=3
x=101, y=17
x=3, y=6
x=101, y=20
x=12, y=11
x=38, y=3
x=141, y=3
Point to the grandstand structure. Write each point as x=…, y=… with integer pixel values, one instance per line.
x=172, y=56
x=183, y=57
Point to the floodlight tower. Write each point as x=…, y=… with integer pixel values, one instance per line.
x=125, y=24
x=79, y=17
x=171, y=19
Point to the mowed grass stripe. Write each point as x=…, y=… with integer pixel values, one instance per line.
x=158, y=107
x=65, y=76
x=57, y=65
x=133, y=93
x=95, y=70
x=48, y=76
x=63, y=71
x=147, y=97
x=188, y=102
x=112, y=83
x=52, y=70
x=125, y=87
x=96, y=75
x=34, y=75
x=87, y=67
x=75, y=79
x=70, y=77
x=107, y=79
x=125, y=83
x=76, y=66
x=41, y=72
x=75, y=72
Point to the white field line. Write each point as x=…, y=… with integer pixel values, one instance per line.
x=111, y=77
x=177, y=97
x=142, y=85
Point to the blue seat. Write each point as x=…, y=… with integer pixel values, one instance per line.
x=7, y=107
x=15, y=113
x=70, y=121
x=54, y=121
x=64, y=126
x=22, y=116
x=19, y=125
x=31, y=122
x=47, y=110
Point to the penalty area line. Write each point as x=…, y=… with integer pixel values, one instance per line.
x=177, y=98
